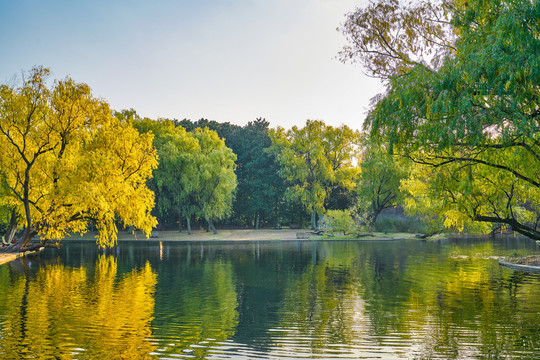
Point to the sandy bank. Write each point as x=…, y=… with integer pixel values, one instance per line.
x=232, y=235
x=223, y=235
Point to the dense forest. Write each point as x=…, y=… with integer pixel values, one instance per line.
x=453, y=141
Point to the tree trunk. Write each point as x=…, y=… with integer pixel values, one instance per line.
x=188, y=225
x=257, y=220
x=211, y=226
x=373, y=218
x=27, y=236
x=276, y=213
x=12, y=230
x=313, y=219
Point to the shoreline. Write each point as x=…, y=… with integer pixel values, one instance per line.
x=5, y=258
x=242, y=235
x=237, y=235
x=9, y=257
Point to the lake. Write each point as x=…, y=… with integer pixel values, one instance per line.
x=405, y=299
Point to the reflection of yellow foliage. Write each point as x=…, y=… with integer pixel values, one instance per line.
x=69, y=315
x=123, y=311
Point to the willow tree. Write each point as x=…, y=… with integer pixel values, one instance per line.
x=462, y=95
x=195, y=177
x=214, y=181
x=379, y=181
x=66, y=162
x=314, y=160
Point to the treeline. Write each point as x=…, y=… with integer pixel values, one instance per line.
x=234, y=181
x=249, y=176
x=255, y=176
x=70, y=163
x=454, y=140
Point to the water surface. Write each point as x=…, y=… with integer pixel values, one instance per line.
x=272, y=300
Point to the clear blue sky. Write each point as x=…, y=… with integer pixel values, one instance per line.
x=224, y=60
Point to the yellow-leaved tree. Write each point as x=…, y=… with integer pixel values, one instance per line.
x=315, y=160
x=67, y=162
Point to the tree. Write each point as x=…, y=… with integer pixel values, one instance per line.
x=472, y=109
x=260, y=189
x=314, y=159
x=442, y=197
x=177, y=151
x=67, y=161
x=215, y=180
x=195, y=176
x=378, y=182
x=342, y=221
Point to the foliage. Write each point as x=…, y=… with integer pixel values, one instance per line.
x=195, y=176
x=453, y=196
x=259, y=194
x=314, y=160
x=215, y=178
x=260, y=188
x=389, y=38
x=67, y=161
x=379, y=181
x=340, y=221
x=471, y=115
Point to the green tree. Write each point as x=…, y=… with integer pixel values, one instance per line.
x=379, y=182
x=260, y=189
x=342, y=221
x=314, y=159
x=471, y=110
x=67, y=161
x=442, y=197
x=195, y=177
x=214, y=181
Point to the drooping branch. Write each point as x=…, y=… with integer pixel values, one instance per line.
x=445, y=160
x=513, y=223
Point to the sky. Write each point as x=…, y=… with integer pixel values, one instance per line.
x=224, y=60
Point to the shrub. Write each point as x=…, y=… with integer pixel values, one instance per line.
x=337, y=221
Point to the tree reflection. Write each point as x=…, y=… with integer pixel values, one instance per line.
x=372, y=294
x=319, y=299
x=324, y=304
x=64, y=313
x=198, y=302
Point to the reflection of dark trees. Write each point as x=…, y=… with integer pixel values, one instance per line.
x=248, y=288
x=263, y=280
x=260, y=273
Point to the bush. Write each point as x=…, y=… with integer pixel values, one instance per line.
x=337, y=221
